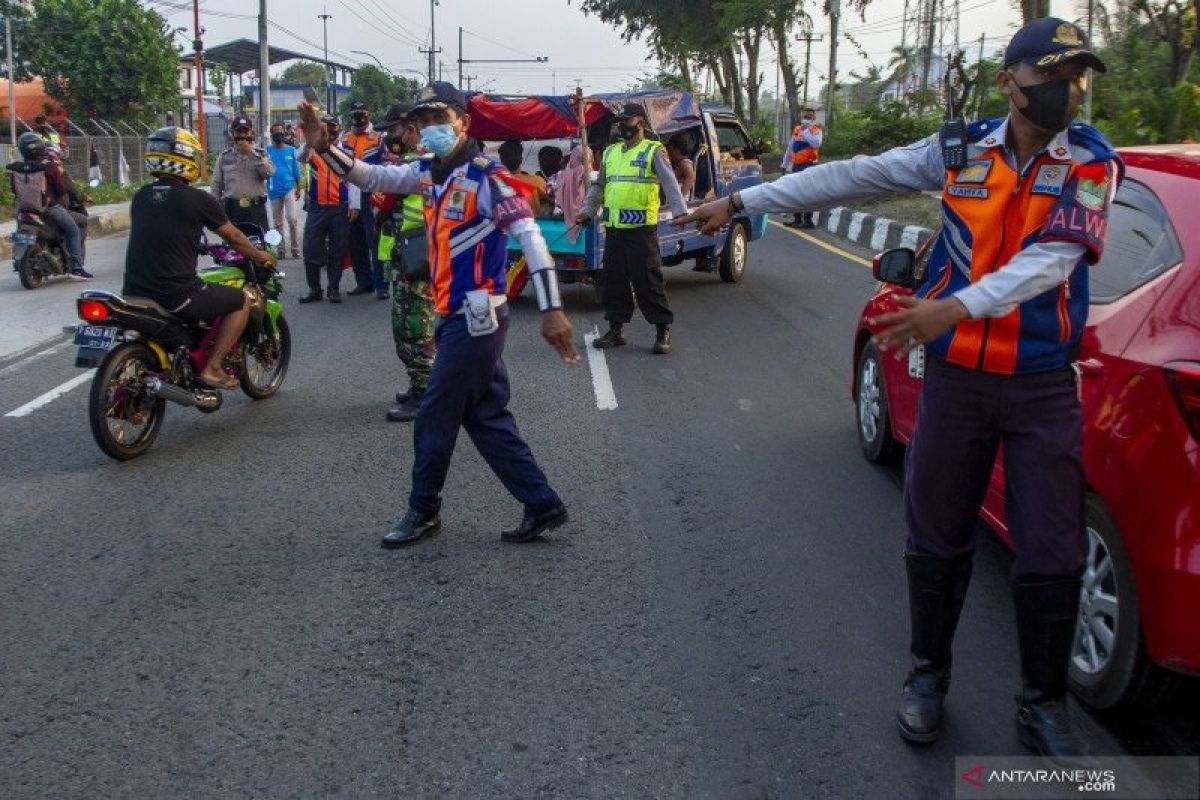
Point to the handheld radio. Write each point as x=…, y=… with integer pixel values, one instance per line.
x=952, y=137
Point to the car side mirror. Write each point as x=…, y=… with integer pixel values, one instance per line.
x=895, y=266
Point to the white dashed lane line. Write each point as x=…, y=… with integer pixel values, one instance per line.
x=606, y=396
x=52, y=395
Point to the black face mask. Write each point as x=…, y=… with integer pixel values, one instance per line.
x=1049, y=104
x=278, y=138
x=360, y=121
x=626, y=131
x=395, y=144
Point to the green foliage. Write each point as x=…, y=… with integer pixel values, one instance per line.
x=310, y=72
x=218, y=80
x=875, y=129
x=107, y=192
x=113, y=58
x=379, y=90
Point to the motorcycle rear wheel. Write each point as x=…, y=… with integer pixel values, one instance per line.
x=265, y=362
x=31, y=276
x=125, y=418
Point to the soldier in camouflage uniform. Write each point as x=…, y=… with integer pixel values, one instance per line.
x=403, y=249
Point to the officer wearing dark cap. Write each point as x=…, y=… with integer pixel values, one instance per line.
x=631, y=173
x=366, y=143
x=1000, y=316
x=240, y=178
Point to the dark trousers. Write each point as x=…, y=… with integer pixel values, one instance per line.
x=469, y=388
x=326, y=236
x=254, y=214
x=631, y=257
x=802, y=217
x=368, y=272
x=963, y=418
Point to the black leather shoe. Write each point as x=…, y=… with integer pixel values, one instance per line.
x=613, y=338
x=382, y=294
x=357, y=290
x=412, y=529
x=1045, y=728
x=662, y=344
x=919, y=717
x=402, y=397
x=533, y=525
x=314, y=296
x=335, y=296
x=406, y=411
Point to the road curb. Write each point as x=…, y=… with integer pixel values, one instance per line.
x=103, y=224
x=868, y=230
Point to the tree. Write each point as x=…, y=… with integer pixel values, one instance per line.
x=114, y=58
x=309, y=72
x=218, y=80
x=379, y=90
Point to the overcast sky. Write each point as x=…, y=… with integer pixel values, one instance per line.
x=579, y=47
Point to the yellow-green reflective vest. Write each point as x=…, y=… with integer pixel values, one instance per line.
x=412, y=212
x=631, y=187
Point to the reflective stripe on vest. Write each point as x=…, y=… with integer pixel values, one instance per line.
x=412, y=212
x=631, y=187
x=807, y=154
x=990, y=214
x=326, y=188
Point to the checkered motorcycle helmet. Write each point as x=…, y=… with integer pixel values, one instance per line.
x=173, y=152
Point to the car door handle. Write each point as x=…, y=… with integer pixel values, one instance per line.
x=1090, y=368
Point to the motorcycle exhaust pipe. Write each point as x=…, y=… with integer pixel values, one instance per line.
x=177, y=394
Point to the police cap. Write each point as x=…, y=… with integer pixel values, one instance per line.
x=241, y=122
x=397, y=112
x=632, y=110
x=439, y=95
x=1049, y=41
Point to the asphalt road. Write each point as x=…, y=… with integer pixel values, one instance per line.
x=724, y=617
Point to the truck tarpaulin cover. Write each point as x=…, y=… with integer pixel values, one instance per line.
x=497, y=117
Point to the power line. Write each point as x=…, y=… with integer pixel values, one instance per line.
x=395, y=23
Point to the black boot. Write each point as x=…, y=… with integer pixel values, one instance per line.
x=335, y=296
x=1046, y=620
x=407, y=410
x=313, y=296
x=412, y=529
x=614, y=337
x=936, y=590
x=662, y=343
x=532, y=525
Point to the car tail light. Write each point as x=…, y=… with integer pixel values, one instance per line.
x=93, y=310
x=1184, y=380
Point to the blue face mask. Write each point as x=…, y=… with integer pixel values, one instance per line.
x=439, y=139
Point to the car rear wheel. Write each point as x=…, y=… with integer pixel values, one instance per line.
x=874, y=423
x=1109, y=667
x=732, y=265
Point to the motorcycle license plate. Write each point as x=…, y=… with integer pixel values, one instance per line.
x=94, y=337
x=24, y=237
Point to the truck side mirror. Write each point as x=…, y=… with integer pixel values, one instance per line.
x=895, y=266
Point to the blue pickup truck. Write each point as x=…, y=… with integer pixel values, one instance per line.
x=725, y=158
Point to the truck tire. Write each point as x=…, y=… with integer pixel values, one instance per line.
x=733, y=255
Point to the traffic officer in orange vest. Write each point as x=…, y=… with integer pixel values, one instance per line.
x=1000, y=315
x=803, y=153
x=331, y=207
x=472, y=207
x=366, y=143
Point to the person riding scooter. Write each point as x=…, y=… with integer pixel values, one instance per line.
x=41, y=185
x=167, y=218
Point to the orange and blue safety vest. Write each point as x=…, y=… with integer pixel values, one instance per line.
x=465, y=219
x=325, y=188
x=802, y=151
x=991, y=213
x=366, y=146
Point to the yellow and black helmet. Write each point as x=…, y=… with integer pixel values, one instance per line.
x=173, y=152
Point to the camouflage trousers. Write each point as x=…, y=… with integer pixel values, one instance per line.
x=412, y=327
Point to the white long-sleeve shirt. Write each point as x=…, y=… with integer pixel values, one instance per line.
x=919, y=167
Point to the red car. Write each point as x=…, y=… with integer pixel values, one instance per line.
x=1139, y=369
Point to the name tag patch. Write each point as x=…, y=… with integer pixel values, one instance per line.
x=456, y=206
x=973, y=192
x=974, y=172
x=1049, y=179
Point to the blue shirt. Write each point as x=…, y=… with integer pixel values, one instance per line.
x=287, y=171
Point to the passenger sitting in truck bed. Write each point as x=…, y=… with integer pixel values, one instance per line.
x=511, y=155
x=550, y=162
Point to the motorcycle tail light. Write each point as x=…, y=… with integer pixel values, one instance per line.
x=93, y=311
x=1184, y=381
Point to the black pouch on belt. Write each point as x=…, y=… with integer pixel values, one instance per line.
x=415, y=258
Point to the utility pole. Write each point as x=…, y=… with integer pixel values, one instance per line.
x=808, y=39
x=12, y=82
x=328, y=88
x=201, y=131
x=460, y=61
x=1087, y=98
x=835, y=9
x=264, y=74
x=432, y=41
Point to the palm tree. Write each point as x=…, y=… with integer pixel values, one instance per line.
x=904, y=64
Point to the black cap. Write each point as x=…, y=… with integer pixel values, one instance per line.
x=397, y=112
x=632, y=110
x=241, y=122
x=439, y=95
x=1049, y=41
x=359, y=105
x=331, y=119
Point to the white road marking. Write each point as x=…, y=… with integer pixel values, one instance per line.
x=16, y=365
x=606, y=397
x=52, y=395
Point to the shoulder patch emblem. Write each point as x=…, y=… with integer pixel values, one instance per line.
x=974, y=171
x=483, y=162
x=1091, y=194
x=1049, y=179
x=970, y=192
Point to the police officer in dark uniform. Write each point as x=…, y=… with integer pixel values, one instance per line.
x=240, y=179
x=1000, y=314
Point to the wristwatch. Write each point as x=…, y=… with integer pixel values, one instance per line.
x=735, y=202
